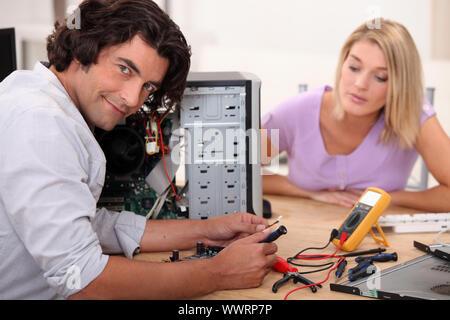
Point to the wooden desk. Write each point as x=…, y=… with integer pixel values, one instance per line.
x=309, y=224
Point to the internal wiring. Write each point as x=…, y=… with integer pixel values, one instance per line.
x=163, y=148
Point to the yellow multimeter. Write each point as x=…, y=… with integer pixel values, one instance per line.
x=362, y=217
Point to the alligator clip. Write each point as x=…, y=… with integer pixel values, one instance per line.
x=297, y=277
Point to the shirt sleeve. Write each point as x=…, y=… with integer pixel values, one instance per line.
x=427, y=112
x=119, y=232
x=47, y=198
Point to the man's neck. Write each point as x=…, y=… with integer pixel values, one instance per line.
x=67, y=83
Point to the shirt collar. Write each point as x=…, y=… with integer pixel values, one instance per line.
x=44, y=72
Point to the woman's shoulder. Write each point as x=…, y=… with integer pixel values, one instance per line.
x=308, y=101
x=427, y=111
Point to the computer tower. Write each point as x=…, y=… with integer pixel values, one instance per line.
x=220, y=113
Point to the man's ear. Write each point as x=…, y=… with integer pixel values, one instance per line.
x=79, y=65
x=76, y=61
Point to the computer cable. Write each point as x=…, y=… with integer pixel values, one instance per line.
x=334, y=234
x=342, y=239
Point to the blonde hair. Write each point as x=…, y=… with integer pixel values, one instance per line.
x=405, y=94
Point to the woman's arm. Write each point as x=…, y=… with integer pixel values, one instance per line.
x=434, y=146
x=280, y=185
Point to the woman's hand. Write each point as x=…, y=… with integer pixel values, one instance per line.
x=346, y=198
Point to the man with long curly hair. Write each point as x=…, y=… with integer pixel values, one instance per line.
x=54, y=242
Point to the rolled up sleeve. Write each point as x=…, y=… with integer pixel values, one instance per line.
x=119, y=233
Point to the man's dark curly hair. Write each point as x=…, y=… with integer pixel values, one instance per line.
x=106, y=23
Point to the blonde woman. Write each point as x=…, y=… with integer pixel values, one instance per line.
x=367, y=131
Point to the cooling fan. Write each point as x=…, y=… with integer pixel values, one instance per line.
x=124, y=150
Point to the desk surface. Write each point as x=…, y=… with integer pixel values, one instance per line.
x=309, y=224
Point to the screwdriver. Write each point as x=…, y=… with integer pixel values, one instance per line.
x=364, y=272
x=275, y=234
x=361, y=266
x=340, y=269
x=384, y=257
x=361, y=253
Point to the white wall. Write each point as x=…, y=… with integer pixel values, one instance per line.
x=20, y=12
x=440, y=32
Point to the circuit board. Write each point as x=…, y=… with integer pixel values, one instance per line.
x=131, y=195
x=128, y=164
x=202, y=252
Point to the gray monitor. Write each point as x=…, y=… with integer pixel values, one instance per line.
x=8, y=62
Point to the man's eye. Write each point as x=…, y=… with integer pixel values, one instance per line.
x=124, y=69
x=149, y=88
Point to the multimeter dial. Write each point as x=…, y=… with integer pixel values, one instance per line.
x=352, y=222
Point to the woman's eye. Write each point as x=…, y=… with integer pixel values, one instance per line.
x=125, y=70
x=354, y=69
x=380, y=79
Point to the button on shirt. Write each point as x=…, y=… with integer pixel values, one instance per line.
x=53, y=239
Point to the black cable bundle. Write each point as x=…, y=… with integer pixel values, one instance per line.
x=334, y=234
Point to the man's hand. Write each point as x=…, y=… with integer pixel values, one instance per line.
x=246, y=262
x=346, y=198
x=223, y=230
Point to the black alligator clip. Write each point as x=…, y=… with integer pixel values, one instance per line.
x=297, y=278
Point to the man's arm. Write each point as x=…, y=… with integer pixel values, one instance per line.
x=118, y=232
x=165, y=235
x=243, y=264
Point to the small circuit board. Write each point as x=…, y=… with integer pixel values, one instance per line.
x=202, y=252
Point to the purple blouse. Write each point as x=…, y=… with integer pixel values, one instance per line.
x=372, y=164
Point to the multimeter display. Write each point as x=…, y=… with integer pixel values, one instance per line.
x=370, y=198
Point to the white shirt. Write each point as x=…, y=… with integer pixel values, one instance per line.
x=53, y=239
